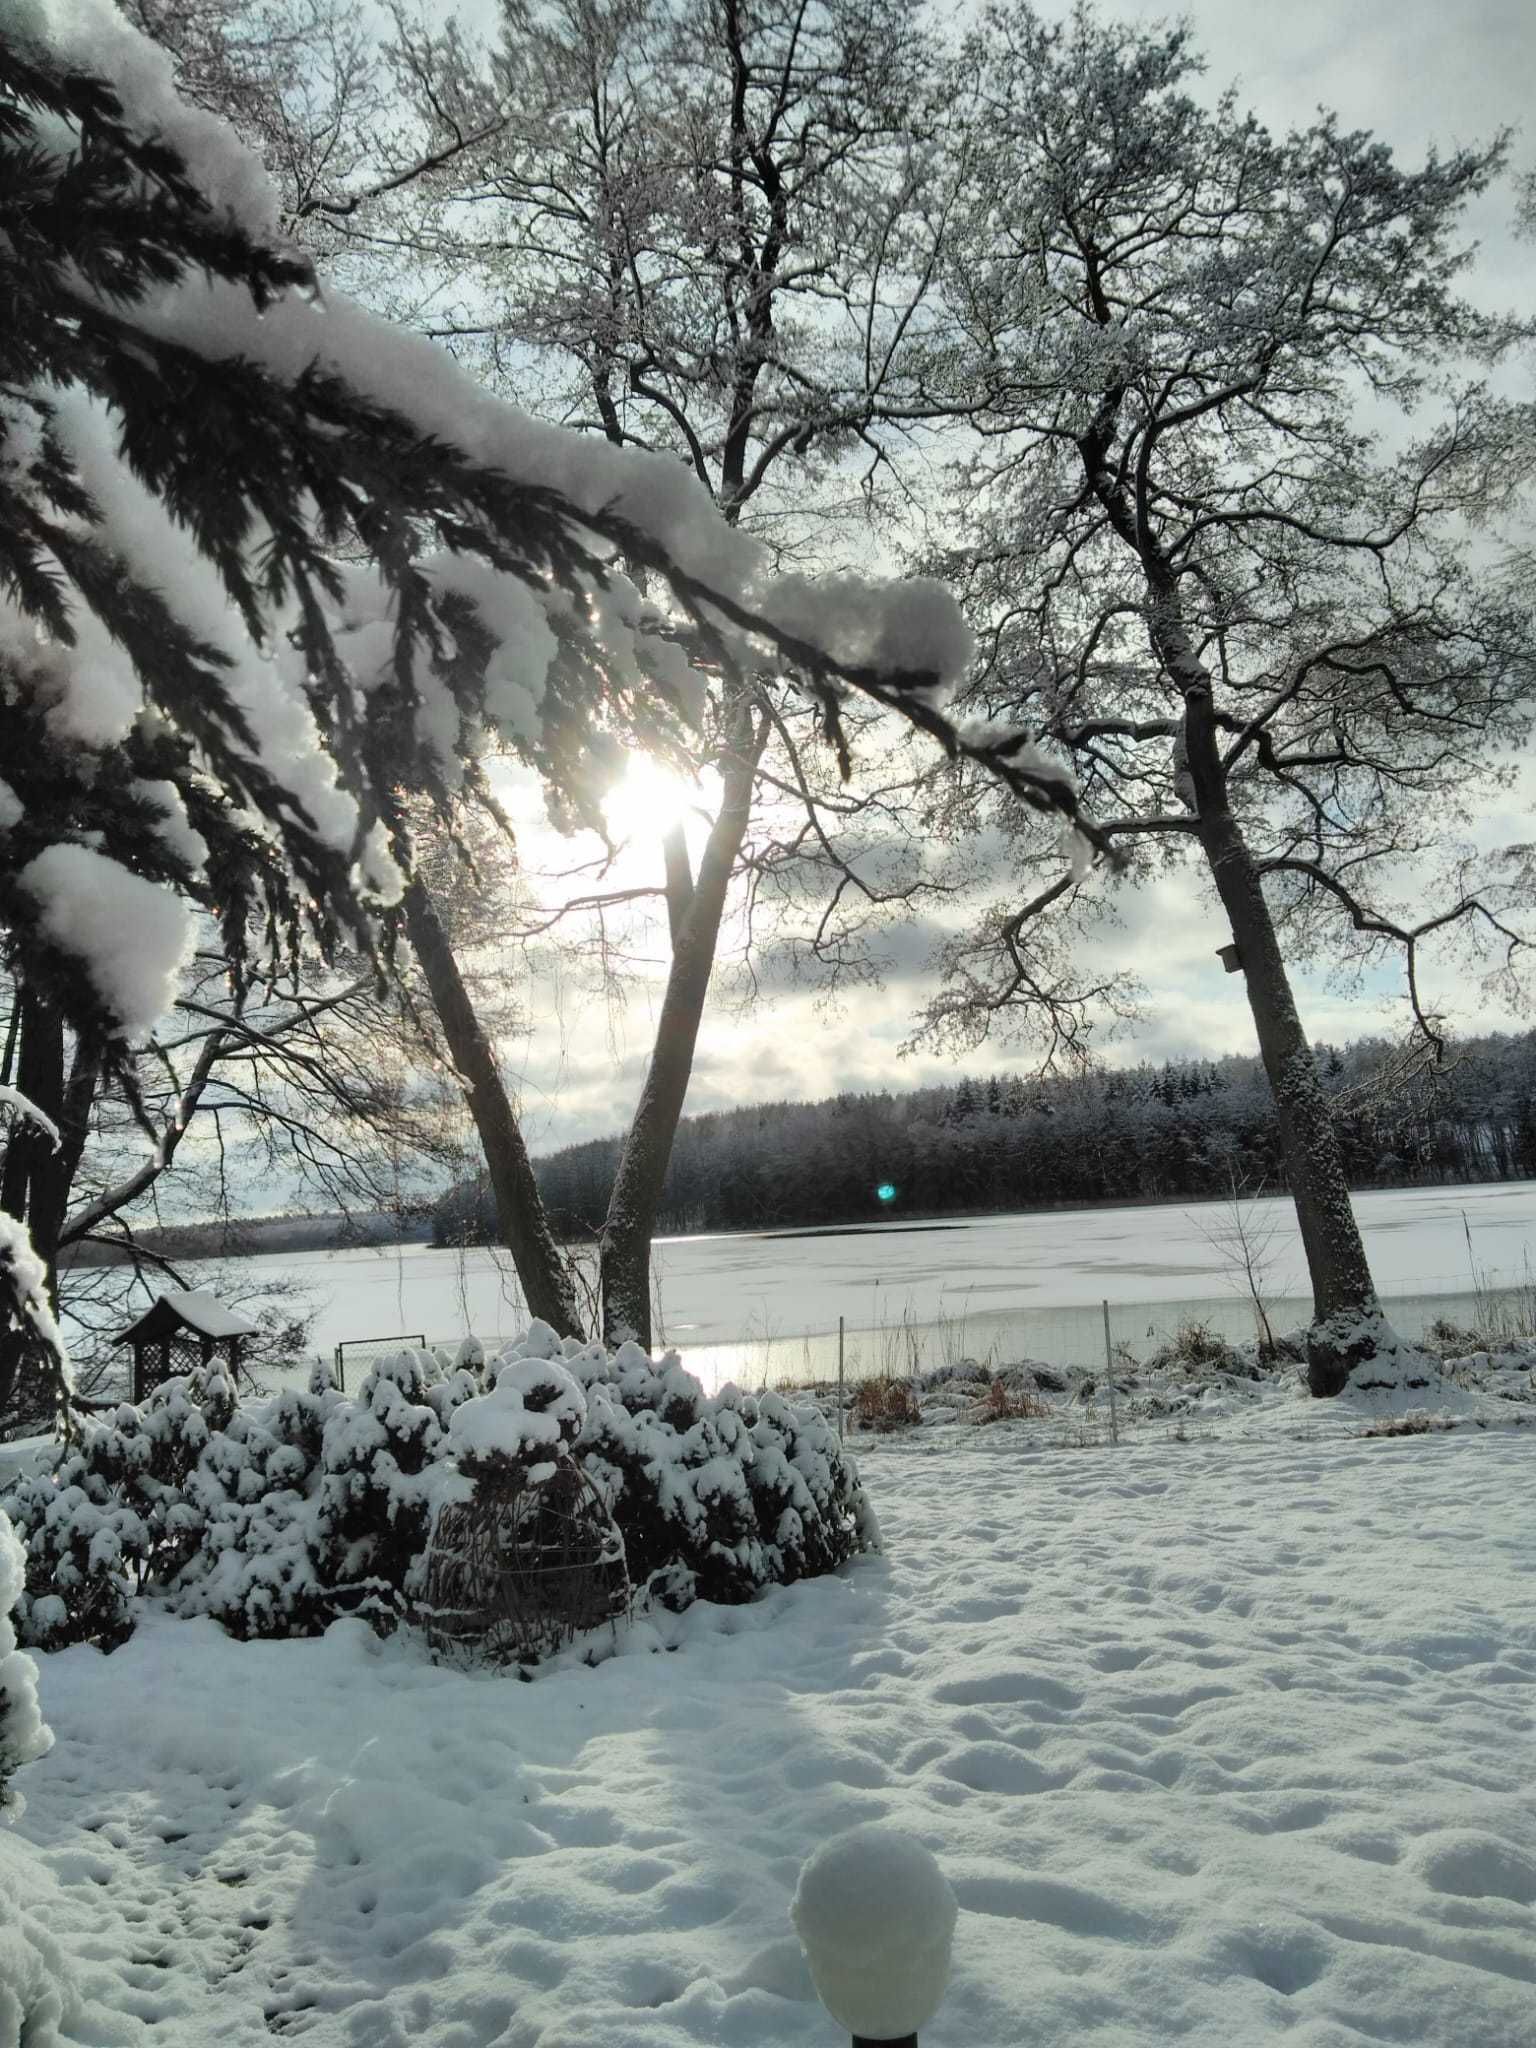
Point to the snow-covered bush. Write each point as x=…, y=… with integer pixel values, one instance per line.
x=86, y=1550
x=35, y=1993
x=532, y=1415
x=255, y=1569
x=117, y=1512
x=380, y=1459
x=276, y=1518
x=676, y=1488
x=23, y=1735
x=716, y=1497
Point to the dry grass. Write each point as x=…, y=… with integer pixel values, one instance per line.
x=884, y=1401
x=1192, y=1347
x=1409, y=1425
x=1002, y=1403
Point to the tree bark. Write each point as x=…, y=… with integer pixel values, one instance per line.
x=624, y=1253
x=53, y=1176
x=1341, y=1276
x=541, y=1268
x=36, y=1176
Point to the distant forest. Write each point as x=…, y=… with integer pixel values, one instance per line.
x=1150, y=1133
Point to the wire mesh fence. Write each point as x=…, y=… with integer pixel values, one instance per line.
x=1496, y=1301
x=360, y=1353
x=1075, y=1336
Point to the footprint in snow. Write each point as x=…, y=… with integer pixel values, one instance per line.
x=1007, y=1688
x=1120, y=1656
x=1057, y=1903
x=998, y=1767
x=1469, y=1863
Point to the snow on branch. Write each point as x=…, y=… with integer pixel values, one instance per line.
x=1470, y=908
x=26, y=1111
x=24, y=1304
x=195, y=449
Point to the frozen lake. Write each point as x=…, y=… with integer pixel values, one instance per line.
x=766, y=1305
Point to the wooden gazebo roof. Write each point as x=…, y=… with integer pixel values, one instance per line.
x=190, y=1311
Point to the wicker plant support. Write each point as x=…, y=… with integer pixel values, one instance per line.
x=533, y=1560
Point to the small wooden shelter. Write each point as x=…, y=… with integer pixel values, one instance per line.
x=182, y=1331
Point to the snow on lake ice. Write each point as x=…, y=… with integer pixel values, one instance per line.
x=736, y=1305
x=1222, y=1742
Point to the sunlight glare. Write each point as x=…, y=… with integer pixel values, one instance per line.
x=648, y=799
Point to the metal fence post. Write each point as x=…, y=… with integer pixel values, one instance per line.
x=839, y=1379
x=1109, y=1372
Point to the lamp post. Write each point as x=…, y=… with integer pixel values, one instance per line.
x=876, y=1918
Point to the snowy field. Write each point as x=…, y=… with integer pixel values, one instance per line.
x=1226, y=1741
x=742, y=1306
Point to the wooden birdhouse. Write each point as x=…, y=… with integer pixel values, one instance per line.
x=183, y=1331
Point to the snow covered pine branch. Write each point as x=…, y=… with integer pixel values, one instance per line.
x=254, y=578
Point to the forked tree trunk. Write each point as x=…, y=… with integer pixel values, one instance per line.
x=542, y=1271
x=1344, y=1295
x=624, y=1254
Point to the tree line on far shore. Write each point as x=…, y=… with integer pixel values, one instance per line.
x=1187, y=1128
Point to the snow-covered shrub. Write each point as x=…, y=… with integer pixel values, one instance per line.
x=86, y=1550
x=812, y=1511
x=277, y=1517
x=255, y=1569
x=533, y=1415
x=41, y=2001
x=715, y=1497
x=117, y=1512
x=23, y=1735
x=677, y=1489
x=381, y=1457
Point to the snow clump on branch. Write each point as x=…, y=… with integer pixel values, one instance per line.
x=93, y=38
x=914, y=626
x=131, y=936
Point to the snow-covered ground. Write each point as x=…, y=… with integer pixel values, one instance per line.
x=1009, y=1286
x=1225, y=1736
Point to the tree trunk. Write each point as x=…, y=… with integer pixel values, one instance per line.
x=36, y=1175
x=541, y=1268
x=625, y=1250
x=1343, y=1292
x=53, y=1177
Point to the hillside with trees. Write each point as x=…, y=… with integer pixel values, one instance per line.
x=1188, y=1128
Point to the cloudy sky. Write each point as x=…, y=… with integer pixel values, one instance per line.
x=1418, y=72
